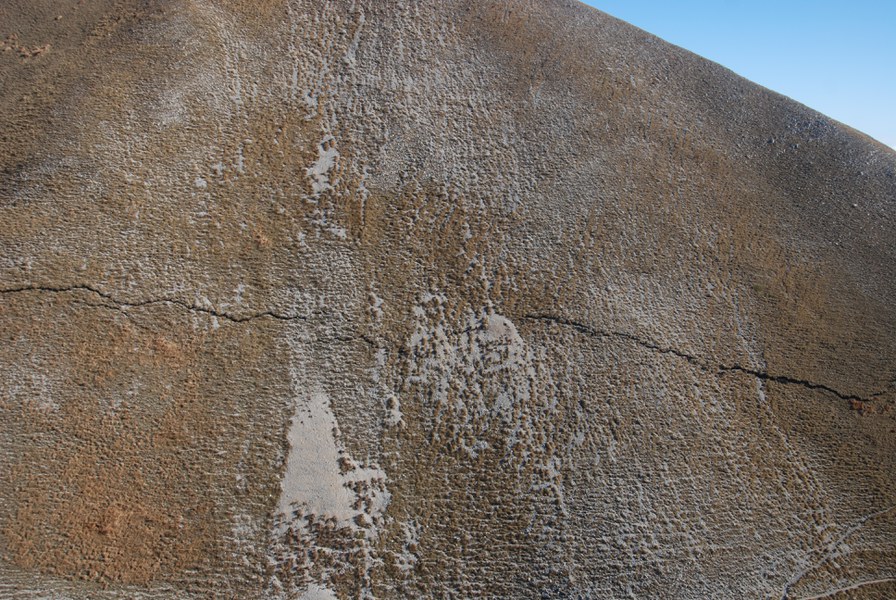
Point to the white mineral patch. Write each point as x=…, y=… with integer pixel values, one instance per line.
x=491, y=346
x=316, y=592
x=327, y=155
x=314, y=483
x=500, y=328
x=312, y=480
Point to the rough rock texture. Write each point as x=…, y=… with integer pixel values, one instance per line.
x=431, y=299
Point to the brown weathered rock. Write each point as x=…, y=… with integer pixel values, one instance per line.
x=447, y=298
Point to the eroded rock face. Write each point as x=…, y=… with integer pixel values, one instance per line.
x=431, y=299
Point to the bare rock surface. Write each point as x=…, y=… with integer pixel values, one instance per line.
x=431, y=299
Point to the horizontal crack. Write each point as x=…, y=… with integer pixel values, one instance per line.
x=580, y=327
x=697, y=361
x=235, y=318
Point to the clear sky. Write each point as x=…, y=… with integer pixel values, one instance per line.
x=836, y=56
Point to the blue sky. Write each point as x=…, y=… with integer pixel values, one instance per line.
x=838, y=57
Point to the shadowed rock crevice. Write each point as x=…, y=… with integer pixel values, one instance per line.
x=193, y=307
x=702, y=363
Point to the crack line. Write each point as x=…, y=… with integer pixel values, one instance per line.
x=696, y=360
x=235, y=318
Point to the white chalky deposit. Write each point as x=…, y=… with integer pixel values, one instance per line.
x=390, y=299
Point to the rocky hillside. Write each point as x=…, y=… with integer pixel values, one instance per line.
x=431, y=299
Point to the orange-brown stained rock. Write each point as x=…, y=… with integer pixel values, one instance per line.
x=107, y=496
x=127, y=475
x=591, y=317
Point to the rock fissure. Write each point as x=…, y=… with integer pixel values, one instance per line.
x=193, y=307
x=699, y=362
x=269, y=265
